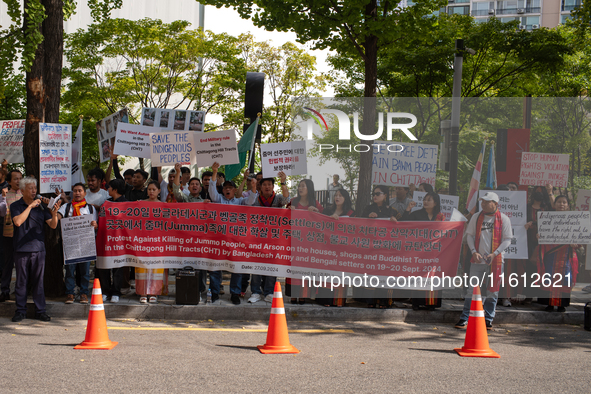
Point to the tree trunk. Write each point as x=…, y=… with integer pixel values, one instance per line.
x=43, y=100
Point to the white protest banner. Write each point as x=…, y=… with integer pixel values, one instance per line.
x=134, y=140
x=79, y=240
x=583, y=200
x=448, y=203
x=518, y=248
x=106, y=129
x=513, y=204
x=169, y=148
x=564, y=227
x=289, y=157
x=217, y=146
x=540, y=169
x=402, y=163
x=173, y=119
x=12, y=134
x=55, y=157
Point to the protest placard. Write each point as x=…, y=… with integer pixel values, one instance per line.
x=55, y=157
x=173, y=119
x=401, y=163
x=564, y=227
x=218, y=146
x=79, y=240
x=289, y=157
x=583, y=200
x=539, y=169
x=169, y=148
x=134, y=140
x=448, y=203
x=106, y=129
x=12, y=134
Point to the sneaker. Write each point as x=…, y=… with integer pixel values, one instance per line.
x=153, y=300
x=587, y=289
x=255, y=298
x=114, y=299
x=214, y=298
x=506, y=302
x=4, y=297
x=461, y=324
x=126, y=291
x=561, y=309
x=235, y=298
x=269, y=298
x=104, y=298
x=83, y=299
x=18, y=317
x=489, y=325
x=70, y=299
x=42, y=316
x=143, y=300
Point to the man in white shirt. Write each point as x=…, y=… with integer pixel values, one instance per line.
x=94, y=194
x=489, y=233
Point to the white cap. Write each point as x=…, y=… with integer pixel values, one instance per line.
x=490, y=196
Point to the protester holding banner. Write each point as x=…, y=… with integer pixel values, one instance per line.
x=205, y=178
x=306, y=199
x=431, y=212
x=13, y=195
x=29, y=217
x=77, y=207
x=341, y=207
x=561, y=264
x=262, y=286
x=194, y=188
x=489, y=233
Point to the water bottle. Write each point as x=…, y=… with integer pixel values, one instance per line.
x=208, y=296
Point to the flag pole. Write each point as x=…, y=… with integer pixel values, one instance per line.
x=252, y=153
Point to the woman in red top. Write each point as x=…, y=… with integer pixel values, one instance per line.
x=306, y=199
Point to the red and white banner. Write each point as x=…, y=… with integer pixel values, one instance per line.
x=272, y=241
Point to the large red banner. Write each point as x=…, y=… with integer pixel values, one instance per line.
x=272, y=241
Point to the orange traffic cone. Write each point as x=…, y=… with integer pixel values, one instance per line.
x=476, y=342
x=277, y=337
x=97, y=336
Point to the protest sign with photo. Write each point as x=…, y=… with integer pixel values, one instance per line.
x=173, y=119
x=289, y=157
x=55, y=157
x=448, y=203
x=540, y=169
x=12, y=134
x=106, y=130
x=564, y=227
x=219, y=146
x=79, y=239
x=169, y=148
x=134, y=140
x=402, y=163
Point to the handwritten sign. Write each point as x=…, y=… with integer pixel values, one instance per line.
x=539, y=169
x=106, y=130
x=218, y=146
x=289, y=157
x=583, y=200
x=169, y=148
x=134, y=140
x=55, y=157
x=564, y=227
x=401, y=163
x=172, y=119
x=448, y=203
x=79, y=240
x=12, y=133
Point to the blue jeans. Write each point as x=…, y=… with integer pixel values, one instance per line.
x=215, y=280
x=70, y=278
x=257, y=287
x=490, y=302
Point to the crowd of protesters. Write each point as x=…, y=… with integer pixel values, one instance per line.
x=488, y=233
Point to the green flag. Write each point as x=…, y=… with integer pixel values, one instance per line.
x=246, y=144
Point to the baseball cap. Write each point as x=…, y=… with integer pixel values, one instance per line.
x=490, y=196
x=230, y=183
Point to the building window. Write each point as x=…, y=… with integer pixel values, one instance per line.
x=461, y=10
x=483, y=8
x=518, y=7
x=569, y=5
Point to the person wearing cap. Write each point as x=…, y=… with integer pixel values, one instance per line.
x=489, y=233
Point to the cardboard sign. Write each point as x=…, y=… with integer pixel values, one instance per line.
x=173, y=119
x=55, y=157
x=106, y=130
x=218, y=146
x=134, y=140
x=402, y=163
x=289, y=157
x=169, y=148
x=564, y=227
x=12, y=133
x=79, y=241
x=540, y=169
x=448, y=203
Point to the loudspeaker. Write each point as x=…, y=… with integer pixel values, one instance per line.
x=187, y=287
x=253, y=94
